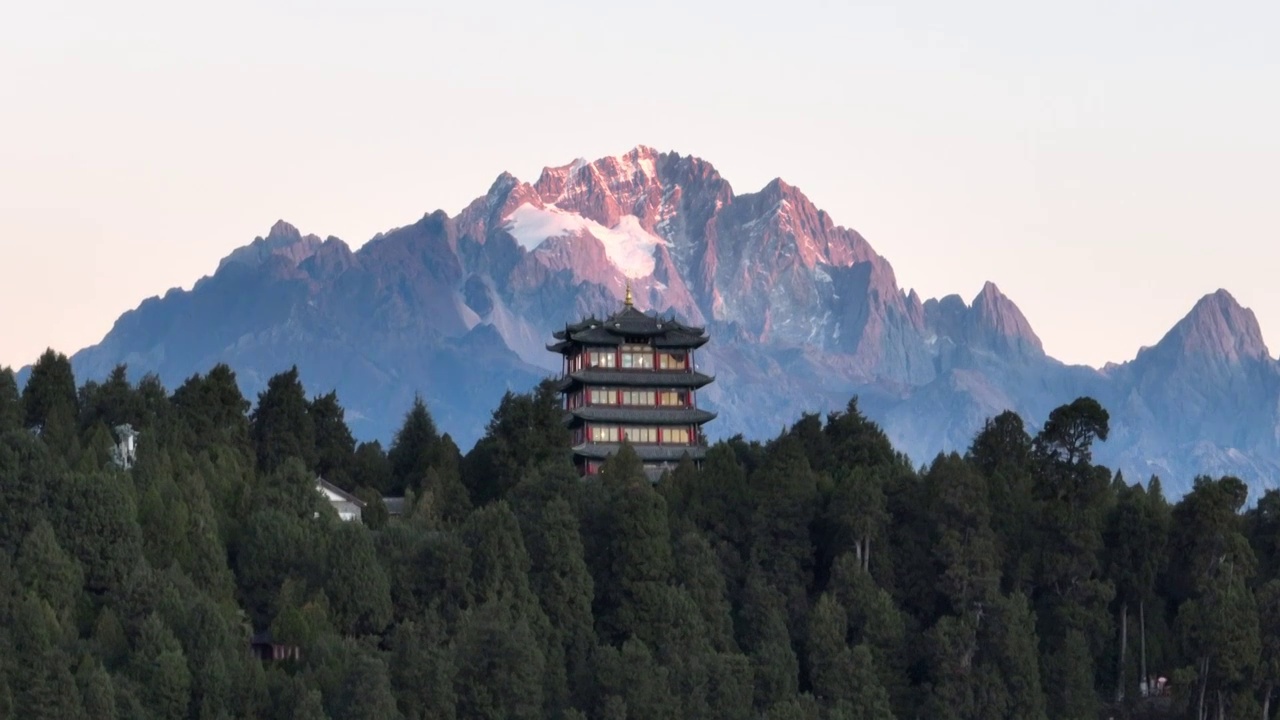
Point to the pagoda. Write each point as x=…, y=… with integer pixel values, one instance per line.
x=632, y=377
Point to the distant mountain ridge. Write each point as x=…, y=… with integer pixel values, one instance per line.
x=802, y=314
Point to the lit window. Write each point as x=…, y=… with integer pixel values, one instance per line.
x=638, y=397
x=637, y=357
x=675, y=435
x=603, y=358
x=673, y=397
x=672, y=361
x=604, y=433
x=641, y=434
x=603, y=396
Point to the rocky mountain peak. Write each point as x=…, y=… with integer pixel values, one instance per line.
x=283, y=232
x=607, y=189
x=1220, y=327
x=994, y=318
x=283, y=240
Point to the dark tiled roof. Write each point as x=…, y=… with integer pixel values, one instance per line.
x=663, y=332
x=647, y=453
x=639, y=415
x=637, y=378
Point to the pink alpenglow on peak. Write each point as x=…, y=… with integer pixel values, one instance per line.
x=1219, y=326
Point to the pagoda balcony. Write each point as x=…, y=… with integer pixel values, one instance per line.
x=636, y=378
x=646, y=453
x=639, y=415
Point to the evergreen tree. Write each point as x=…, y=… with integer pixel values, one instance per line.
x=784, y=497
x=50, y=386
x=370, y=467
x=214, y=411
x=637, y=557
x=830, y=657
x=966, y=554
x=868, y=700
x=112, y=403
x=500, y=668
x=28, y=474
x=560, y=578
x=357, y=588
x=11, y=413
x=422, y=671
x=1135, y=540
x=281, y=426
x=97, y=524
x=97, y=693
x=1001, y=452
x=47, y=571
x=335, y=446
x=526, y=433
x=366, y=691
x=417, y=448
x=1268, y=672
x=764, y=637
x=42, y=685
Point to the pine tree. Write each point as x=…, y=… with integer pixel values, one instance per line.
x=417, y=448
x=97, y=692
x=525, y=434
x=500, y=667
x=637, y=559
x=97, y=524
x=559, y=576
x=763, y=635
x=868, y=699
x=830, y=657
x=422, y=670
x=281, y=426
x=51, y=385
x=784, y=497
x=335, y=446
x=214, y=412
x=46, y=570
x=11, y=413
x=366, y=691
x=359, y=596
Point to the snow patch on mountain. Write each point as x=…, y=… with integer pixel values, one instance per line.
x=628, y=245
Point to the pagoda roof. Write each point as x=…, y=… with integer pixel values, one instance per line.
x=662, y=332
x=636, y=378
x=646, y=453
x=639, y=415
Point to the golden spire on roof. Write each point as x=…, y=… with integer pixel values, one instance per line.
x=627, y=302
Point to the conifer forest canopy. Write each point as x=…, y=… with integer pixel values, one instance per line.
x=816, y=576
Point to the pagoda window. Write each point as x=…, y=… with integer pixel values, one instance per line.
x=678, y=435
x=602, y=358
x=673, y=361
x=637, y=397
x=641, y=434
x=676, y=398
x=604, y=433
x=637, y=357
x=604, y=396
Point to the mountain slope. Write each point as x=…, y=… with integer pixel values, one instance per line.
x=802, y=313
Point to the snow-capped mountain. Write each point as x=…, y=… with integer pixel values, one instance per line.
x=802, y=313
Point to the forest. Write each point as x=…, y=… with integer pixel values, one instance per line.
x=820, y=575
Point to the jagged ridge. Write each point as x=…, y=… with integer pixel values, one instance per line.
x=802, y=311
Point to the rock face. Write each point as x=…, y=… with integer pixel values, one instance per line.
x=802, y=313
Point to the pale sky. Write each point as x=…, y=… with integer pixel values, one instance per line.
x=1105, y=163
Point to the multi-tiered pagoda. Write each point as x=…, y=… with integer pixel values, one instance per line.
x=632, y=376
